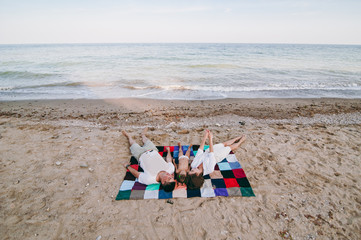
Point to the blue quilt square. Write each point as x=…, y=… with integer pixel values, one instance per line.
x=218, y=183
x=224, y=166
x=193, y=193
x=164, y=195
x=127, y=185
x=221, y=192
x=235, y=165
x=224, y=160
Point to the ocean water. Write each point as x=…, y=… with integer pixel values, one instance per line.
x=179, y=71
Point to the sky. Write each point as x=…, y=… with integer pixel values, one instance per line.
x=160, y=21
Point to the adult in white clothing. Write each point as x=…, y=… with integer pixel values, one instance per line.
x=205, y=161
x=156, y=169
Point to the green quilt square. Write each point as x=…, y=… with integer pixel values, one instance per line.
x=153, y=187
x=123, y=195
x=247, y=192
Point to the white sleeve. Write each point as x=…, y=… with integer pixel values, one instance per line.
x=146, y=179
x=171, y=168
x=197, y=159
x=209, y=163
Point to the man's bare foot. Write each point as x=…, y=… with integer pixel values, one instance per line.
x=144, y=132
x=125, y=133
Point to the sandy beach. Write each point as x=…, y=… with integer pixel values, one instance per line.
x=62, y=165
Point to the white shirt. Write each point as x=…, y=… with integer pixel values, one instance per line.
x=208, y=160
x=152, y=163
x=220, y=151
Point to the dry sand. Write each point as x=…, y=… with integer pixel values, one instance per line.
x=62, y=165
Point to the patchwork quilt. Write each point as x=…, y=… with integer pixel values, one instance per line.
x=228, y=179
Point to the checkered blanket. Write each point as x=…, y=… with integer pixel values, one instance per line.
x=228, y=179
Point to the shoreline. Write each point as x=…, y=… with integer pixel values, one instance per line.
x=282, y=105
x=301, y=158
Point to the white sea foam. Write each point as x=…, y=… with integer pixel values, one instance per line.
x=179, y=71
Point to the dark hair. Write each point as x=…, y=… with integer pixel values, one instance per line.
x=168, y=186
x=195, y=181
x=181, y=178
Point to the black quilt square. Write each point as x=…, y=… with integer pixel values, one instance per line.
x=228, y=174
x=133, y=160
x=140, y=169
x=218, y=183
x=193, y=193
x=195, y=147
x=206, y=176
x=129, y=176
x=160, y=148
x=243, y=182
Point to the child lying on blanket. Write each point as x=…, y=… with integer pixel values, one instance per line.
x=205, y=161
x=182, y=168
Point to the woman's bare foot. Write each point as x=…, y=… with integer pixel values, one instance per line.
x=210, y=135
x=242, y=139
x=206, y=133
x=234, y=146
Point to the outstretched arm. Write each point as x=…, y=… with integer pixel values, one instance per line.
x=206, y=132
x=132, y=171
x=210, y=135
x=175, y=166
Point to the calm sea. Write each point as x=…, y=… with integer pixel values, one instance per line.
x=179, y=71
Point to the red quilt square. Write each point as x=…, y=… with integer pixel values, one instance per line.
x=135, y=166
x=231, y=182
x=161, y=153
x=239, y=173
x=171, y=148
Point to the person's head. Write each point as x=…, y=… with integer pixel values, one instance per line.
x=167, y=181
x=195, y=179
x=182, y=176
x=168, y=186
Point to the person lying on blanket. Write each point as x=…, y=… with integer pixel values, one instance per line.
x=205, y=161
x=156, y=170
x=182, y=168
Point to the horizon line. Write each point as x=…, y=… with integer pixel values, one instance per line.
x=270, y=43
